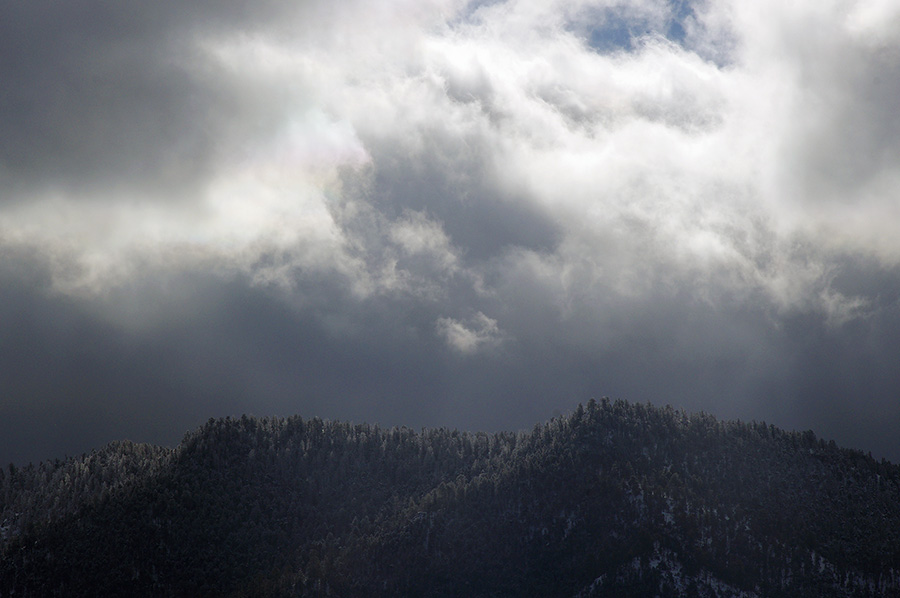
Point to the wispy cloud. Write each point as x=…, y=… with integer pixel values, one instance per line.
x=475, y=334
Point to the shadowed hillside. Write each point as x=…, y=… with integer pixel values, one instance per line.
x=613, y=500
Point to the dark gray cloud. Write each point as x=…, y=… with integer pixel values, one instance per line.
x=444, y=213
x=102, y=97
x=453, y=184
x=210, y=348
x=91, y=93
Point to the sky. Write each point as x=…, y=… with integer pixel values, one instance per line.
x=469, y=214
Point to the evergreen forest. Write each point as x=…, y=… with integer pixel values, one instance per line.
x=614, y=499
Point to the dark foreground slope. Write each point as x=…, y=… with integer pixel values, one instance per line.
x=613, y=500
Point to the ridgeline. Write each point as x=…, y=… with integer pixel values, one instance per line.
x=615, y=499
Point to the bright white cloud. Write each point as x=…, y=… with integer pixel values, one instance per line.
x=416, y=235
x=272, y=201
x=703, y=162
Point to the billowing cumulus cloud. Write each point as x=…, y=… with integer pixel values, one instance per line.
x=447, y=212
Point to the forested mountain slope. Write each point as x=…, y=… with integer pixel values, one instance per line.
x=615, y=499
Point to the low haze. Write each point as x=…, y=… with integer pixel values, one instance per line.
x=446, y=213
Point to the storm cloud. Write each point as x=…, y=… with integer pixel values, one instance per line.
x=446, y=213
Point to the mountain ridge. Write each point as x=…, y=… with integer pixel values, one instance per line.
x=614, y=499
